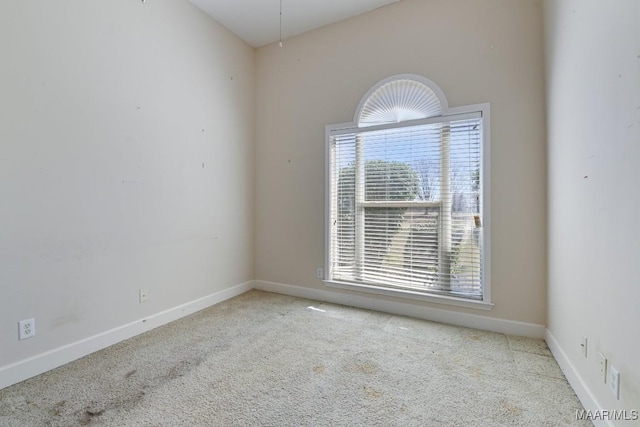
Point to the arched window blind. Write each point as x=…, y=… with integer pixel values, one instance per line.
x=399, y=101
x=405, y=194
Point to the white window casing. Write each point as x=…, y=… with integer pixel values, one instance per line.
x=407, y=196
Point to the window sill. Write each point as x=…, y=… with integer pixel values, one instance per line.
x=416, y=296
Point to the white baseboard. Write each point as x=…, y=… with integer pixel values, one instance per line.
x=371, y=302
x=25, y=369
x=575, y=380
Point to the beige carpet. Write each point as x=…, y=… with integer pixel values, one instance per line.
x=263, y=359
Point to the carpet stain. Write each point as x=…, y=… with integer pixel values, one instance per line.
x=367, y=368
x=89, y=414
x=475, y=371
x=95, y=409
x=183, y=367
x=130, y=401
x=319, y=369
x=372, y=392
x=57, y=408
x=511, y=408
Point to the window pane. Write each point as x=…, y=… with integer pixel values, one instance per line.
x=430, y=241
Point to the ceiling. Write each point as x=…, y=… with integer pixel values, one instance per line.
x=257, y=22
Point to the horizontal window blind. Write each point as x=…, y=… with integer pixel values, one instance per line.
x=406, y=207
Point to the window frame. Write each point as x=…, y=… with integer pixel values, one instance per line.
x=447, y=114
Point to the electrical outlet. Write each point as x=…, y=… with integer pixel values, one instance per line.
x=603, y=367
x=26, y=329
x=319, y=273
x=144, y=295
x=614, y=382
x=583, y=346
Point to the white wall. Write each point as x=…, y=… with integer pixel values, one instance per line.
x=476, y=51
x=108, y=112
x=593, y=90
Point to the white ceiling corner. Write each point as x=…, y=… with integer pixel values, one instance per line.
x=257, y=22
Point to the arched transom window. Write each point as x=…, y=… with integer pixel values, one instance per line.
x=407, y=195
x=400, y=99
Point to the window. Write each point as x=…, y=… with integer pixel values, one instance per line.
x=407, y=196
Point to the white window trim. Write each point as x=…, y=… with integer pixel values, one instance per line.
x=343, y=128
